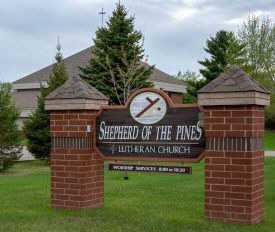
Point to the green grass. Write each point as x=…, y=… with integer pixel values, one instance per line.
x=151, y=202
x=23, y=141
x=269, y=141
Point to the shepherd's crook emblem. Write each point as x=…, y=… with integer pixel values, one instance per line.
x=152, y=103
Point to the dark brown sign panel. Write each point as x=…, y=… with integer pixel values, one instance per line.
x=147, y=168
x=150, y=127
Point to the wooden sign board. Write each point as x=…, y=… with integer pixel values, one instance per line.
x=147, y=168
x=149, y=127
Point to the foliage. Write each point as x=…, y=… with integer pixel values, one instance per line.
x=37, y=126
x=257, y=57
x=255, y=54
x=10, y=149
x=270, y=114
x=191, y=79
x=235, y=54
x=116, y=70
x=217, y=48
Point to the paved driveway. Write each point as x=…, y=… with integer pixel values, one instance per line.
x=26, y=155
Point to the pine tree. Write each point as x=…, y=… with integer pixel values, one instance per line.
x=115, y=70
x=217, y=48
x=10, y=150
x=37, y=126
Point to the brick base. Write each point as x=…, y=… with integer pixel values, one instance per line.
x=234, y=186
x=77, y=179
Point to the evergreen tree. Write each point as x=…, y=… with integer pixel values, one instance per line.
x=10, y=150
x=115, y=70
x=217, y=48
x=37, y=126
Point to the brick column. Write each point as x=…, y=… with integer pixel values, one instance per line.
x=77, y=171
x=234, y=157
x=234, y=164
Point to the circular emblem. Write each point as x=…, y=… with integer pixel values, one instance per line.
x=148, y=108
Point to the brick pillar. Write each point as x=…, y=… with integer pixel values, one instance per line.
x=234, y=157
x=77, y=171
x=234, y=164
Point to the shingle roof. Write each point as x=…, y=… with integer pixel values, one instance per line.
x=81, y=59
x=26, y=99
x=233, y=80
x=76, y=88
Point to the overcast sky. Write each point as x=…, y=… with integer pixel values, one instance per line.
x=175, y=31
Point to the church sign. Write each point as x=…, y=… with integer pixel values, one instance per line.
x=149, y=127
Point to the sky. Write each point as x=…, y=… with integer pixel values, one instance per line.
x=175, y=31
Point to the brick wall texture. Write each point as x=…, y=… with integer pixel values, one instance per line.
x=234, y=164
x=176, y=98
x=77, y=171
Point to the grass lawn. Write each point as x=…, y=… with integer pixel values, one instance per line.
x=23, y=141
x=151, y=202
x=269, y=141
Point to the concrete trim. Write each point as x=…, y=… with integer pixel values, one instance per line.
x=30, y=85
x=170, y=87
x=25, y=113
x=74, y=104
x=234, y=98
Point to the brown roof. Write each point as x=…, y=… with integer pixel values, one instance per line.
x=81, y=59
x=75, y=88
x=233, y=80
x=26, y=99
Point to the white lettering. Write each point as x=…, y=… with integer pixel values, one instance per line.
x=119, y=132
x=102, y=124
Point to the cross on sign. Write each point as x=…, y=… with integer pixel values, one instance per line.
x=113, y=148
x=149, y=106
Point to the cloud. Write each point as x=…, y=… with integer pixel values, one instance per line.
x=175, y=30
x=182, y=14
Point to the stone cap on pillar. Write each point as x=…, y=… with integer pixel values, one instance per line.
x=233, y=87
x=75, y=94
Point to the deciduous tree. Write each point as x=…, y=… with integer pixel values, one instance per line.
x=256, y=54
x=191, y=79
